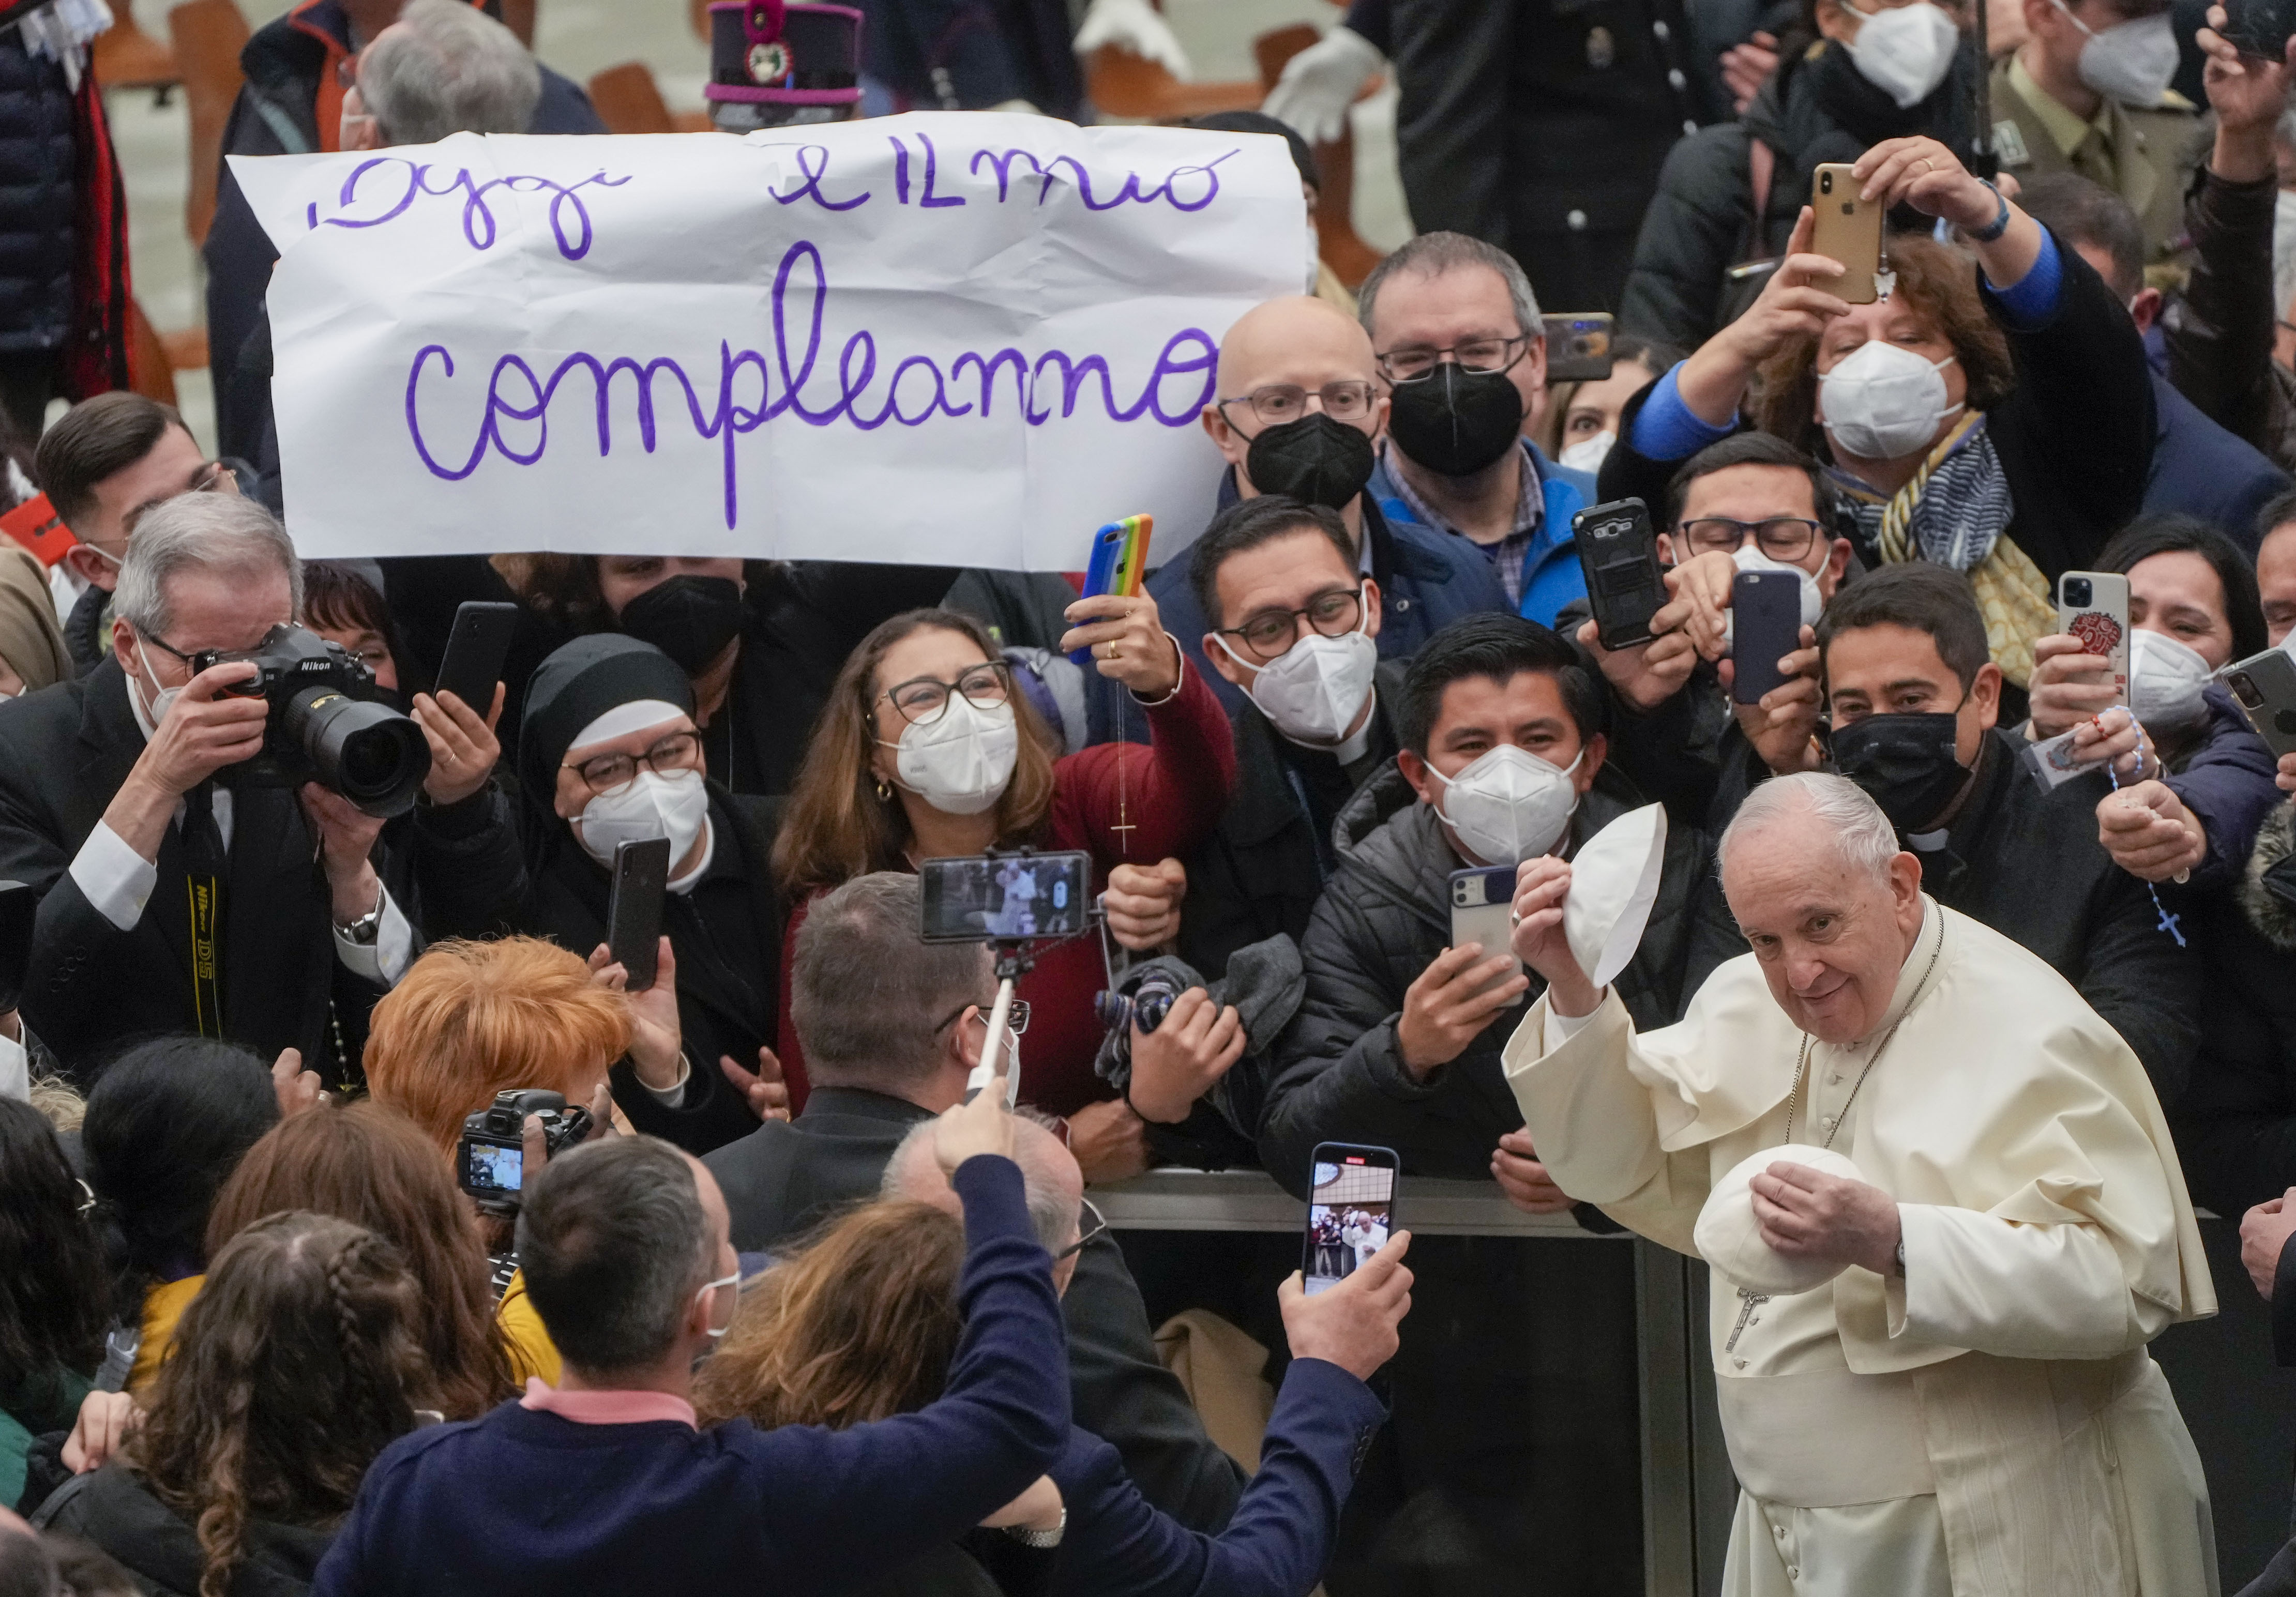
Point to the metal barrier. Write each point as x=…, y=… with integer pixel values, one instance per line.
x=1688, y=1494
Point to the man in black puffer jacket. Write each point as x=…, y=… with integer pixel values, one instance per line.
x=1483, y=1470
x=1817, y=107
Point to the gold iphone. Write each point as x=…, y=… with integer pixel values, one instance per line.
x=1847, y=230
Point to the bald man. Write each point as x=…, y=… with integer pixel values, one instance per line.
x=1298, y=410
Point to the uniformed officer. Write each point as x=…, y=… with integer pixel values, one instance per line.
x=2088, y=93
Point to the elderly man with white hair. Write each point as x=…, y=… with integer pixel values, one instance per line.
x=1942, y=1212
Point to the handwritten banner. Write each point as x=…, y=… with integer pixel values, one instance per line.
x=944, y=338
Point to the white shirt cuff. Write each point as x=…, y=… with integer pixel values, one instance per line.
x=113, y=877
x=15, y=1070
x=672, y=1096
x=1559, y=1029
x=385, y=960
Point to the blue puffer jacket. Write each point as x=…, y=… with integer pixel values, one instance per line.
x=36, y=162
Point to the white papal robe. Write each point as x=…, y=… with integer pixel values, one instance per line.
x=1988, y=1424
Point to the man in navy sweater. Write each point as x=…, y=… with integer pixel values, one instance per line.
x=604, y=1485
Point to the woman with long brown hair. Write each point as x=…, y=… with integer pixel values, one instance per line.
x=925, y=749
x=298, y=1362
x=375, y=1168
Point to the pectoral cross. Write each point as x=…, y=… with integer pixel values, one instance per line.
x=1751, y=1302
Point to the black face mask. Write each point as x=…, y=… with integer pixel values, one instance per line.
x=1905, y=763
x=1456, y=421
x=689, y=619
x=1314, y=459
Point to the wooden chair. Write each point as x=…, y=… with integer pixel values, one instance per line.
x=208, y=36
x=1336, y=240
x=629, y=101
x=1124, y=85
x=125, y=57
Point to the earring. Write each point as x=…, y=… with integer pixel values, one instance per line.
x=884, y=791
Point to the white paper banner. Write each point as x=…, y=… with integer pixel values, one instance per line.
x=944, y=338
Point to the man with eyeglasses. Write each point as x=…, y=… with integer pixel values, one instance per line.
x=1462, y=349
x=103, y=464
x=892, y=1027
x=1298, y=413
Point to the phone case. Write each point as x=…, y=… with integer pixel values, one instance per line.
x=1482, y=910
x=476, y=647
x=1846, y=229
x=1118, y=551
x=2265, y=684
x=2103, y=624
x=1577, y=347
x=633, y=911
x=1618, y=555
x=1766, y=608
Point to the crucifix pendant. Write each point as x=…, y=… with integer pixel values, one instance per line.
x=1751, y=1301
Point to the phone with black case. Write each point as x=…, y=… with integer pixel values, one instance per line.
x=1618, y=550
x=634, y=912
x=1768, y=627
x=476, y=648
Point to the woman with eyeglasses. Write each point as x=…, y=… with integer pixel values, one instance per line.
x=54, y=1298
x=924, y=751
x=608, y=753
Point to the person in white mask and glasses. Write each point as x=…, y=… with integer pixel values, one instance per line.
x=1998, y=421
x=924, y=750
x=2088, y=92
x=2194, y=780
x=1396, y=1044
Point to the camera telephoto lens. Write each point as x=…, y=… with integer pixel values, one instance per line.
x=368, y=752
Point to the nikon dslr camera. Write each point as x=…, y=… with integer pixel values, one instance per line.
x=325, y=726
x=491, y=1158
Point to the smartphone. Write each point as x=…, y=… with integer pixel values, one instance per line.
x=1350, y=1211
x=633, y=911
x=1005, y=898
x=1577, y=346
x=2260, y=27
x=2093, y=606
x=1847, y=229
x=1766, y=608
x=1618, y=550
x=1119, y=556
x=1482, y=911
x=2266, y=686
x=492, y=1166
x=19, y=904
x=476, y=646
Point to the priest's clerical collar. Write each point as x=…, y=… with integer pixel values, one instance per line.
x=1347, y=750
x=1926, y=936
x=1928, y=843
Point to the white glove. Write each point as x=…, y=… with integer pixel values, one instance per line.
x=1136, y=26
x=1321, y=82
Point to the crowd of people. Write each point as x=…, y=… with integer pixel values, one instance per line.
x=372, y=1222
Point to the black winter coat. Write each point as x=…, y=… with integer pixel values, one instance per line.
x=115, y=1510
x=1339, y=1074
x=36, y=165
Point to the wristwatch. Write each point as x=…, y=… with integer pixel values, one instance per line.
x=1045, y=1539
x=364, y=930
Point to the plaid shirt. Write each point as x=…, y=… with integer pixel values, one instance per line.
x=1507, y=556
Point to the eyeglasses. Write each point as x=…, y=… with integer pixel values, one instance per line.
x=1780, y=537
x=1282, y=402
x=207, y=480
x=1415, y=362
x=925, y=699
x=1016, y=1018
x=1094, y=1222
x=1268, y=633
x=679, y=752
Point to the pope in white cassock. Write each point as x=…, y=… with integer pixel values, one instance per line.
x=1965, y=1405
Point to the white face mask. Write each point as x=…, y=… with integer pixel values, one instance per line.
x=2129, y=62
x=1587, y=453
x=1883, y=402
x=1749, y=557
x=2165, y=679
x=1509, y=804
x=162, y=699
x=717, y=1332
x=652, y=803
x=1313, y=691
x=961, y=763
x=1905, y=51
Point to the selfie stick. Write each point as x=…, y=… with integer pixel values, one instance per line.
x=1010, y=963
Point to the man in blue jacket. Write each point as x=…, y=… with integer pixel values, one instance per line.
x=1297, y=411
x=1460, y=341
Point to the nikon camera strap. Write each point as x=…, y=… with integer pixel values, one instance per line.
x=204, y=864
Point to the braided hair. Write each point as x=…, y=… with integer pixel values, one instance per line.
x=299, y=1360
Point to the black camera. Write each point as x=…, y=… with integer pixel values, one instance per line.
x=491, y=1158
x=1149, y=1001
x=326, y=725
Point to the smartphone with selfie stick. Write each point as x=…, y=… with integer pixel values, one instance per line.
x=1350, y=1211
x=1119, y=557
x=1017, y=901
x=634, y=909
